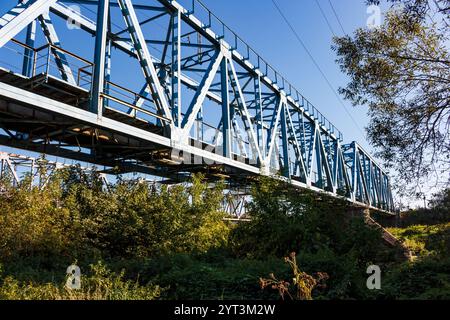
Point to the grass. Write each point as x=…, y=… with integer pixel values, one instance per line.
x=425, y=240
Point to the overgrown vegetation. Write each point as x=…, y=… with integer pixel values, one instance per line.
x=428, y=276
x=426, y=232
x=102, y=284
x=137, y=240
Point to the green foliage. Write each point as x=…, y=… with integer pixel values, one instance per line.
x=33, y=223
x=102, y=284
x=176, y=237
x=441, y=202
x=428, y=278
x=135, y=219
x=420, y=9
x=302, y=283
x=285, y=219
x=319, y=228
x=202, y=277
x=74, y=218
x=401, y=71
x=425, y=239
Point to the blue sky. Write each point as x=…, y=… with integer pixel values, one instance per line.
x=262, y=27
x=258, y=23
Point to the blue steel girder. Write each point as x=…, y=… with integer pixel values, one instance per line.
x=53, y=40
x=28, y=53
x=100, y=58
x=19, y=17
x=144, y=57
x=260, y=115
x=246, y=118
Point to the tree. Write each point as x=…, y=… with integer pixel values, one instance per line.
x=441, y=201
x=420, y=9
x=401, y=71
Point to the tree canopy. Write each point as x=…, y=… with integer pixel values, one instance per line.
x=401, y=71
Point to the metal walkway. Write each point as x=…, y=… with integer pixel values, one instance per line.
x=146, y=86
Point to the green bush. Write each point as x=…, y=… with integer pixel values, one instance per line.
x=427, y=278
x=285, y=219
x=76, y=219
x=425, y=239
x=102, y=284
x=197, y=277
x=318, y=227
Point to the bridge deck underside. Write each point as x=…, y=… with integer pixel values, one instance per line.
x=69, y=137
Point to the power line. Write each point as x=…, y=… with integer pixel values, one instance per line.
x=325, y=17
x=337, y=17
x=317, y=66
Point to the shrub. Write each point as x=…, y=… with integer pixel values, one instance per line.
x=74, y=218
x=285, y=219
x=427, y=278
x=102, y=284
x=425, y=239
x=303, y=283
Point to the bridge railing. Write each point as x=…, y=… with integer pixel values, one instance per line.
x=50, y=60
x=44, y=63
x=47, y=60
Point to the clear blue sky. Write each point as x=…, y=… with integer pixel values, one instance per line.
x=261, y=26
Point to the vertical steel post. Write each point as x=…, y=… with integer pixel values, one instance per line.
x=176, y=68
x=99, y=58
x=226, y=116
x=107, y=70
x=199, y=125
x=284, y=136
x=319, y=160
x=28, y=53
x=259, y=110
x=108, y=60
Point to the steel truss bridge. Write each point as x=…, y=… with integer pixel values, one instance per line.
x=165, y=88
x=16, y=167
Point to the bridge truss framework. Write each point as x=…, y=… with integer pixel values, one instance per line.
x=205, y=102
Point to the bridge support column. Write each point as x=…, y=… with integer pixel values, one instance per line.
x=27, y=68
x=226, y=114
x=98, y=80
